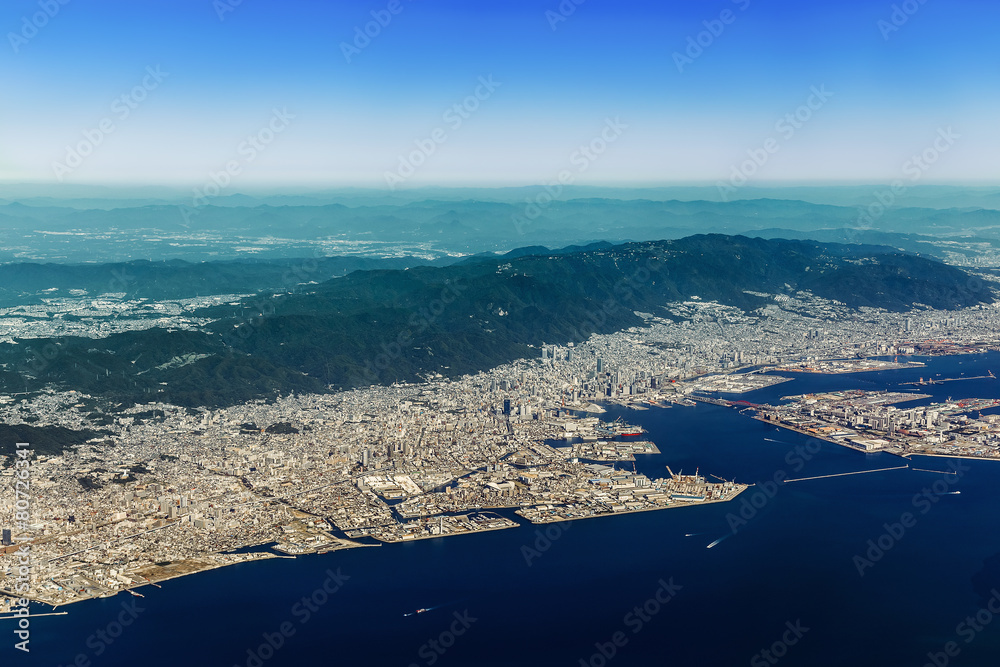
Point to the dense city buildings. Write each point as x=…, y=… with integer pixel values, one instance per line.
x=174, y=490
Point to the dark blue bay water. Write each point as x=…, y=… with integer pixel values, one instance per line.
x=792, y=561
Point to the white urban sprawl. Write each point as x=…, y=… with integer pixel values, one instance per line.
x=696, y=44
x=786, y=127
x=914, y=168
x=635, y=620
x=901, y=13
x=968, y=630
x=432, y=651
x=454, y=116
x=922, y=502
x=565, y=9
x=122, y=107
x=363, y=36
x=248, y=150
x=779, y=649
x=30, y=25
x=582, y=158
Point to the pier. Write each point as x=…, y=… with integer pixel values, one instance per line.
x=929, y=381
x=50, y=613
x=843, y=474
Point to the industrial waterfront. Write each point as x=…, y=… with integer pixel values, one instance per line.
x=785, y=561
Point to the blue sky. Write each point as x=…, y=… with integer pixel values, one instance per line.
x=563, y=71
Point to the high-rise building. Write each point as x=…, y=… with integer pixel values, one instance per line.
x=7, y=537
x=600, y=365
x=506, y=406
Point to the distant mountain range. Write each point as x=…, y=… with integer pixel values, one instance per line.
x=31, y=283
x=88, y=197
x=383, y=325
x=244, y=228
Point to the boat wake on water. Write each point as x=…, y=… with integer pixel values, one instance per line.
x=422, y=609
x=718, y=540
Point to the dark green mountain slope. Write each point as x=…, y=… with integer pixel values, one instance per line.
x=381, y=326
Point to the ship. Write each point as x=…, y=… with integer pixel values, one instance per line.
x=419, y=611
x=618, y=428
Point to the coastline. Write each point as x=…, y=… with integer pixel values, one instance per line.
x=205, y=564
x=267, y=555
x=673, y=505
x=901, y=454
x=418, y=538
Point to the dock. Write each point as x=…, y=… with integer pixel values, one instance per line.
x=929, y=381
